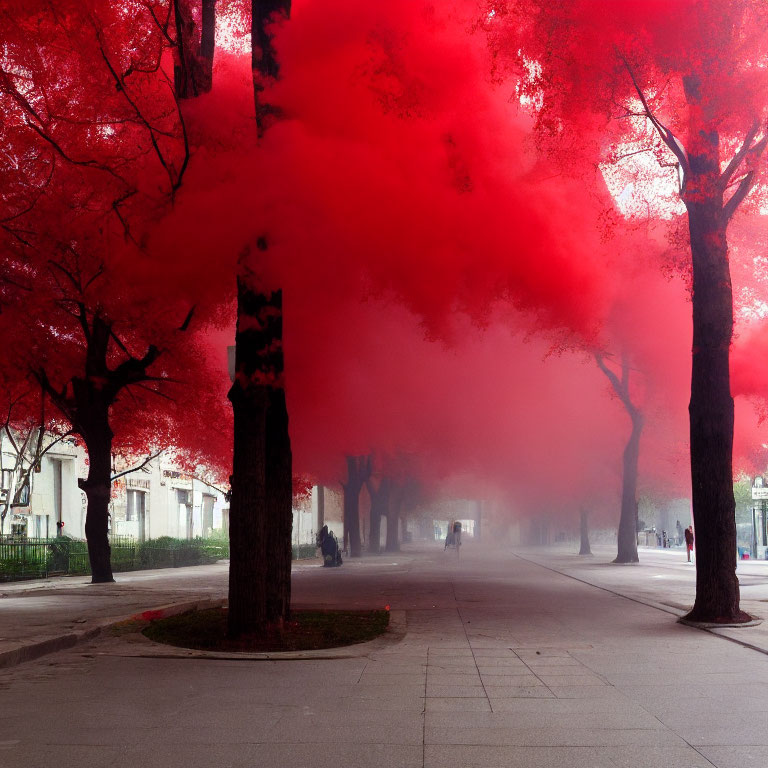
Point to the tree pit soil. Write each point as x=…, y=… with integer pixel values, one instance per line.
x=307, y=630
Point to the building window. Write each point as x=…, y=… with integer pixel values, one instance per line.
x=5, y=482
x=135, y=510
x=208, y=502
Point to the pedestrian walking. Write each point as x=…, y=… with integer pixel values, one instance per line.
x=689, y=541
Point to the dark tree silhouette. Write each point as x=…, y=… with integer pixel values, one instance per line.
x=627, y=537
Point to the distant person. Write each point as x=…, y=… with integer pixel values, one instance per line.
x=689, y=541
x=329, y=547
x=664, y=540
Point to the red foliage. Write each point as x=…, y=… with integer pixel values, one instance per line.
x=404, y=202
x=95, y=151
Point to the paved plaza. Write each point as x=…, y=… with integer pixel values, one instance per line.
x=536, y=658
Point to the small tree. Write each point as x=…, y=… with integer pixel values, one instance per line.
x=29, y=439
x=358, y=472
x=584, y=549
x=627, y=536
x=685, y=82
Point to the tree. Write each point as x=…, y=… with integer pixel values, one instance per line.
x=359, y=470
x=627, y=536
x=380, y=493
x=85, y=401
x=394, y=511
x=687, y=75
x=584, y=548
x=97, y=149
x=193, y=50
x=260, y=583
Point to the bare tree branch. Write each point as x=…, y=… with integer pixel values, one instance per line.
x=620, y=385
x=669, y=138
x=187, y=319
x=730, y=169
x=746, y=184
x=138, y=466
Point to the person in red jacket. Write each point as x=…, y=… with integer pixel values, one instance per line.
x=689, y=541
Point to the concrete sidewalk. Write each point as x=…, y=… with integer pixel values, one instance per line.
x=42, y=616
x=504, y=663
x=663, y=579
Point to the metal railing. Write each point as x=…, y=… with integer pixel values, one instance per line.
x=25, y=558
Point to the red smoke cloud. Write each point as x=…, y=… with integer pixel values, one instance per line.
x=404, y=208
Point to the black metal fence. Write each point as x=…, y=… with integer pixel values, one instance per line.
x=25, y=558
x=38, y=558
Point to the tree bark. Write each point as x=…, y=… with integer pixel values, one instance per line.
x=627, y=537
x=393, y=524
x=380, y=499
x=208, y=41
x=264, y=64
x=94, y=427
x=320, y=507
x=358, y=471
x=585, y=549
x=711, y=404
x=247, y=510
x=266, y=489
x=279, y=488
x=194, y=49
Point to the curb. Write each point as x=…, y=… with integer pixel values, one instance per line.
x=32, y=651
x=714, y=629
x=394, y=633
x=24, y=653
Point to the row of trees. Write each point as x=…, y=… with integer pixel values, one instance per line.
x=101, y=142
x=389, y=493
x=691, y=74
x=97, y=149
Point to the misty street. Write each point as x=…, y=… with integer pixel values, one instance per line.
x=501, y=662
x=383, y=384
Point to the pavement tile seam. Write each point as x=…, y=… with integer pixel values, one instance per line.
x=709, y=694
x=725, y=633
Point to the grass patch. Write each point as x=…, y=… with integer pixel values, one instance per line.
x=307, y=630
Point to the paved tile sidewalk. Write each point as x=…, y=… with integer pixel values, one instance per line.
x=504, y=663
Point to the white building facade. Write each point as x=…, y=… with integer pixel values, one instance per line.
x=157, y=500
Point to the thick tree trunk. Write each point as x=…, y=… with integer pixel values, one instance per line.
x=279, y=509
x=358, y=471
x=207, y=42
x=193, y=54
x=585, y=549
x=320, y=507
x=711, y=405
x=247, y=535
x=260, y=366
x=380, y=498
x=393, y=525
x=627, y=537
x=374, y=533
x=248, y=504
x=95, y=429
x=264, y=62
x=352, y=520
